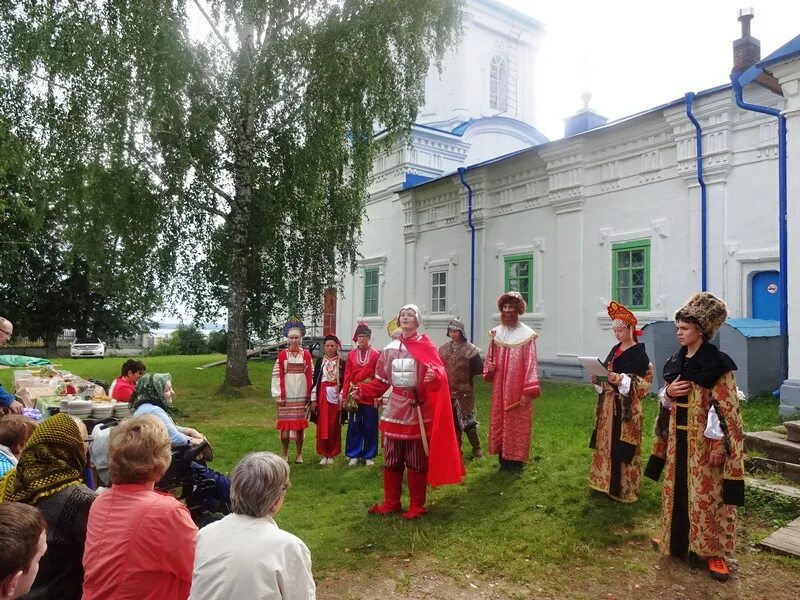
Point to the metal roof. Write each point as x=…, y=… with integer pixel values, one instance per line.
x=502, y=157
x=788, y=51
x=753, y=328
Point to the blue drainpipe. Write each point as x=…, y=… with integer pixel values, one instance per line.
x=701, y=181
x=782, y=275
x=461, y=171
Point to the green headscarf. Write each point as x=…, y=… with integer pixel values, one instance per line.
x=150, y=390
x=54, y=458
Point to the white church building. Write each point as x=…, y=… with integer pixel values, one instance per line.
x=479, y=202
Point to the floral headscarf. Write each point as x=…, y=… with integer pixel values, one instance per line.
x=150, y=390
x=54, y=458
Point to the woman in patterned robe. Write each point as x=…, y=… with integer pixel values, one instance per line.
x=617, y=437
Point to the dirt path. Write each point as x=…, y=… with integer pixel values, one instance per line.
x=631, y=572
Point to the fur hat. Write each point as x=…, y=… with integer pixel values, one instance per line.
x=706, y=311
x=512, y=298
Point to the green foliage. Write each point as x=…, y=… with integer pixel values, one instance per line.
x=774, y=509
x=186, y=339
x=72, y=254
x=257, y=141
x=218, y=341
x=760, y=412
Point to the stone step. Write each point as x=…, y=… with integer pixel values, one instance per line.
x=792, y=430
x=788, y=470
x=789, y=491
x=774, y=445
x=779, y=429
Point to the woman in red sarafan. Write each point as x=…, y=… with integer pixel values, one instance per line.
x=325, y=400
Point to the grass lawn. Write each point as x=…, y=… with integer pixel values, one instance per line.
x=516, y=527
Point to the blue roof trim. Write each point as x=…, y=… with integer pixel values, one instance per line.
x=460, y=129
x=476, y=166
x=677, y=102
x=534, y=133
x=750, y=74
x=788, y=51
x=754, y=328
x=414, y=180
x=436, y=129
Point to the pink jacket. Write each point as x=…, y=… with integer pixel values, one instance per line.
x=139, y=546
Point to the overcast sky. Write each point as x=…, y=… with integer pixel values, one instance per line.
x=634, y=54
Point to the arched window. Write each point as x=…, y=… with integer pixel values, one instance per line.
x=498, y=84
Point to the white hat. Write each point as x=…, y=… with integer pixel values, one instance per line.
x=413, y=307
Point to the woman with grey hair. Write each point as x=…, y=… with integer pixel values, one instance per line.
x=246, y=554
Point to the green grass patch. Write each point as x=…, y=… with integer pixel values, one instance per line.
x=760, y=413
x=514, y=526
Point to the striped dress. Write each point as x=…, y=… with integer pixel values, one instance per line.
x=291, y=379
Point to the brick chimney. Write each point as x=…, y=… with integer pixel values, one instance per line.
x=747, y=52
x=747, y=49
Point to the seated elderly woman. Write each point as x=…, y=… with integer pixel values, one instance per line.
x=153, y=396
x=140, y=542
x=49, y=476
x=14, y=432
x=246, y=554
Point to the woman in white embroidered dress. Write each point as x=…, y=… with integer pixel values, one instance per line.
x=291, y=387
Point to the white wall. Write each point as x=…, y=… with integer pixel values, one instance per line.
x=788, y=74
x=568, y=201
x=461, y=91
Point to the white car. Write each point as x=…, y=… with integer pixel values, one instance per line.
x=88, y=347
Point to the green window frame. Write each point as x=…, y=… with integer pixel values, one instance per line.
x=371, y=281
x=439, y=292
x=630, y=274
x=519, y=275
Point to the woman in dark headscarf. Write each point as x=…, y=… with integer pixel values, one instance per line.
x=49, y=476
x=153, y=396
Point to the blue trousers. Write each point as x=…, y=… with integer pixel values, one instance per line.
x=222, y=490
x=362, y=433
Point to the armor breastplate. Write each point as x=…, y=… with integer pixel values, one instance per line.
x=404, y=372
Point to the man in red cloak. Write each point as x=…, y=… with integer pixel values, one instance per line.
x=417, y=421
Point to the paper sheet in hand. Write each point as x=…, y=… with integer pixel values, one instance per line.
x=593, y=366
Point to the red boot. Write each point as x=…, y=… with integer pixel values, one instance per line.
x=392, y=487
x=417, y=490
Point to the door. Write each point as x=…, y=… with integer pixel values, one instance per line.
x=765, y=295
